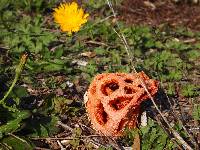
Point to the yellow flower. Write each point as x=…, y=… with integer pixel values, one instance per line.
x=70, y=17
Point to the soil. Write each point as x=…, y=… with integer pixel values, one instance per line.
x=157, y=12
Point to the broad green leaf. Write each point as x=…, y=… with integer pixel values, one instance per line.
x=16, y=143
x=13, y=125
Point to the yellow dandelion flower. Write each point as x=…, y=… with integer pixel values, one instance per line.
x=70, y=17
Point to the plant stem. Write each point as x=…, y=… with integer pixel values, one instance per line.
x=17, y=75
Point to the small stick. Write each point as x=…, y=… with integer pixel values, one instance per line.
x=96, y=43
x=64, y=126
x=61, y=146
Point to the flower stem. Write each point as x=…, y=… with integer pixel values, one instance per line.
x=17, y=75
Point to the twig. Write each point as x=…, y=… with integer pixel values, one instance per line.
x=114, y=144
x=68, y=138
x=61, y=146
x=102, y=20
x=189, y=41
x=39, y=148
x=96, y=43
x=65, y=126
x=94, y=143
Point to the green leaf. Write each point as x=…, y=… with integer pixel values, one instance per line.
x=171, y=89
x=150, y=43
x=189, y=90
x=7, y=15
x=58, y=52
x=37, y=47
x=47, y=38
x=175, y=75
x=99, y=51
x=76, y=141
x=53, y=67
x=196, y=112
x=20, y=91
x=153, y=137
x=42, y=126
x=4, y=4
x=13, y=125
x=159, y=44
x=15, y=143
x=193, y=54
x=43, y=132
x=61, y=105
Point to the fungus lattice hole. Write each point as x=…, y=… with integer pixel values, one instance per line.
x=145, y=95
x=119, y=103
x=110, y=88
x=101, y=115
x=128, y=81
x=121, y=125
x=129, y=90
x=140, y=86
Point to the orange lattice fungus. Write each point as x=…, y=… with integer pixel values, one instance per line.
x=113, y=101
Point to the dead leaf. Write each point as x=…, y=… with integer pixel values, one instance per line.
x=80, y=62
x=149, y=4
x=88, y=54
x=144, y=119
